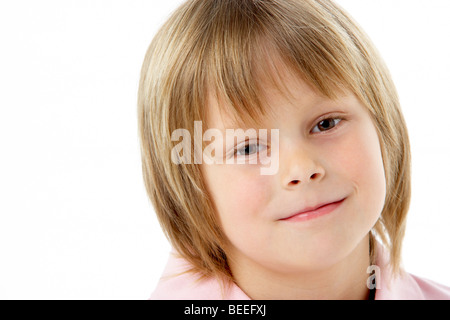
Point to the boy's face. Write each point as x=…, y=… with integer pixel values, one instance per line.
x=320, y=161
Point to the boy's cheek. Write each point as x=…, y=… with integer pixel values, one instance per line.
x=359, y=161
x=237, y=191
x=250, y=194
x=358, y=156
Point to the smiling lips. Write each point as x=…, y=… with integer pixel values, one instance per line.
x=312, y=213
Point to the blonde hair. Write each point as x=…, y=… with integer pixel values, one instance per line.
x=215, y=47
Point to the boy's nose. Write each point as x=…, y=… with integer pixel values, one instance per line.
x=300, y=167
x=296, y=181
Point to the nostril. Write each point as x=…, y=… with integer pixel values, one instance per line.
x=295, y=181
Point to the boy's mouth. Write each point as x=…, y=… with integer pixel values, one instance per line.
x=312, y=212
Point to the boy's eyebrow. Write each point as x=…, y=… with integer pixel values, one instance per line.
x=318, y=103
x=235, y=127
x=229, y=123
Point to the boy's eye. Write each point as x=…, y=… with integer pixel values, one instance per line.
x=248, y=149
x=326, y=124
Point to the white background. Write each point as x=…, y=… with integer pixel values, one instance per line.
x=75, y=221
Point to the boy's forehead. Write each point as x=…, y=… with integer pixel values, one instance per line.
x=292, y=94
x=280, y=88
x=219, y=115
x=268, y=75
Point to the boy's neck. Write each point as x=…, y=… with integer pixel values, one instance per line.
x=345, y=280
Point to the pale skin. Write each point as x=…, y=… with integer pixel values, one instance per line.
x=322, y=258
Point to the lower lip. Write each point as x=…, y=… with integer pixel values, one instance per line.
x=322, y=211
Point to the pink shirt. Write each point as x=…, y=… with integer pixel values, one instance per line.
x=173, y=286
